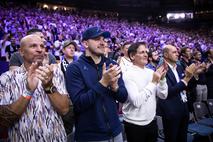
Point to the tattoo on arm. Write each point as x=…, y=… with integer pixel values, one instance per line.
x=7, y=116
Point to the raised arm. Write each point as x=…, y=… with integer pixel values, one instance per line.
x=54, y=86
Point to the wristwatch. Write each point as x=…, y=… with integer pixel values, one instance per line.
x=50, y=89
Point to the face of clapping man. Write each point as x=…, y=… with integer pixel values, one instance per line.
x=197, y=56
x=93, y=41
x=95, y=47
x=140, y=58
x=32, y=49
x=171, y=54
x=188, y=53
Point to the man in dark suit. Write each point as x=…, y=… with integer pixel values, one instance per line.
x=209, y=73
x=174, y=109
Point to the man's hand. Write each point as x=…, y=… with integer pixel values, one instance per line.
x=160, y=73
x=32, y=79
x=163, y=69
x=189, y=72
x=110, y=77
x=45, y=74
x=114, y=83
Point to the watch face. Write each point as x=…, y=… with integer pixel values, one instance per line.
x=53, y=89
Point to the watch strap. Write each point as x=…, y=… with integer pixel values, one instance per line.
x=50, y=89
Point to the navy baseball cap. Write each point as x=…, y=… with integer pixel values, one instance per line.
x=94, y=32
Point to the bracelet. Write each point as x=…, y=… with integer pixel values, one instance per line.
x=27, y=97
x=27, y=94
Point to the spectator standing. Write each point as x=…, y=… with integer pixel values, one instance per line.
x=209, y=73
x=174, y=108
x=38, y=98
x=143, y=86
x=153, y=59
x=94, y=84
x=69, y=48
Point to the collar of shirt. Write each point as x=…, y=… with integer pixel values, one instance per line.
x=172, y=67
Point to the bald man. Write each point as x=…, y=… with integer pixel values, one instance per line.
x=33, y=96
x=16, y=59
x=174, y=109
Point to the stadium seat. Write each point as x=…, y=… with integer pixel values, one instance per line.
x=161, y=137
x=202, y=115
x=199, y=129
x=210, y=106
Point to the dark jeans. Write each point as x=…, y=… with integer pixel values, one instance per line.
x=147, y=133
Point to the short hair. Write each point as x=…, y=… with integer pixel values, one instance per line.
x=126, y=43
x=196, y=52
x=34, y=30
x=150, y=52
x=133, y=48
x=183, y=50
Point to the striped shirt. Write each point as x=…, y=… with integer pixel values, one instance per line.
x=40, y=122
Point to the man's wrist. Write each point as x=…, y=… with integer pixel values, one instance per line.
x=115, y=89
x=186, y=80
x=27, y=94
x=50, y=89
x=103, y=83
x=154, y=82
x=28, y=88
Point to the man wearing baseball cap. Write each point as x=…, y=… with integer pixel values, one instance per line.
x=94, y=84
x=69, y=48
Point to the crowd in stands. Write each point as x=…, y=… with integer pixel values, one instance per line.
x=177, y=66
x=58, y=26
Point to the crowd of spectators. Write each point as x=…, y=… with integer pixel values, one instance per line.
x=63, y=31
x=59, y=26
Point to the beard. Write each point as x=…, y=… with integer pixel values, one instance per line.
x=156, y=61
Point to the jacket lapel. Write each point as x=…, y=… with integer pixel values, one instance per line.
x=180, y=72
x=171, y=76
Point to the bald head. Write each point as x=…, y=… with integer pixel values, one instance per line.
x=170, y=54
x=168, y=48
x=29, y=38
x=32, y=49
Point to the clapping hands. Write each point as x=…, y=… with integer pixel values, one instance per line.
x=36, y=73
x=160, y=73
x=110, y=76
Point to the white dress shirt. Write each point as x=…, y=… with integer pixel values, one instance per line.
x=183, y=93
